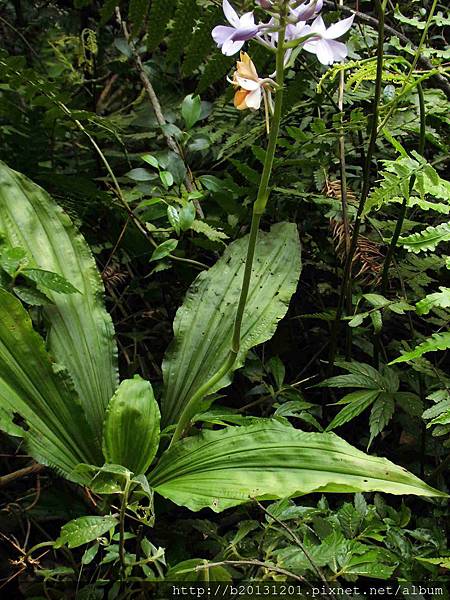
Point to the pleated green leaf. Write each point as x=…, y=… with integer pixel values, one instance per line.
x=224, y=468
x=203, y=325
x=131, y=434
x=80, y=331
x=31, y=385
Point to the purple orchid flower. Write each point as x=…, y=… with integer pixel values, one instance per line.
x=307, y=10
x=231, y=39
x=324, y=46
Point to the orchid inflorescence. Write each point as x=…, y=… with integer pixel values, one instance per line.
x=315, y=38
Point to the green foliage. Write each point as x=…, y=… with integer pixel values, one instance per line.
x=58, y=433
x=361, y=538
x=396, y=183
x=84, y=530
x=437, y=299
x=131, y=434
x=201, y=43
x=80, y=331
x=160, y=13
x=215, y=69
x=435, y=343
x=184, y=20
x=378, y=389
x=137, y=13
x=426, y=240
x=204, y=324
x=220, y=469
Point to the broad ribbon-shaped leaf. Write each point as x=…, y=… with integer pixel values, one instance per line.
x=31, y=385
x=204, y=323
x=80, y=331
x=131, y=434
x=224, y=468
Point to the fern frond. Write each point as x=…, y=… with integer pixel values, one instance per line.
x=215, y=69
x=201, y=42
x=395, y=185
x=183, y=24
x=437, y=299
x=137, y=13
x=107, y=11
x=438, y=341
x=427, y=239
x=213, y=234
x=161, y=12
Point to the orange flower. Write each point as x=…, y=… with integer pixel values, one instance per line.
x=250, y=87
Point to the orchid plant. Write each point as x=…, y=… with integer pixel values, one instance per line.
x=286, y=33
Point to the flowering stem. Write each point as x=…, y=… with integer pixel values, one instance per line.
x=258, y=210
x=263, y=191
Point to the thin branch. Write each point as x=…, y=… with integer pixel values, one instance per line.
x=254, y=563
x=171, y=142
x=297, y=541
x=10, y=477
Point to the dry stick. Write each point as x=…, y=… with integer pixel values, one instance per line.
x=255, y=563
x=440, y=79
x=10, y=477
x=188, y=182
x=297, y=540
x=116, y=245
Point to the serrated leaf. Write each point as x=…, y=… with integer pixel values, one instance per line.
x=427, y=239
x=438, y=341
x=50, y=281
x=441, y=561
x=357, y=402
x=440, y=299
x=215, y=235
x=380, y=415
x=84, y=530
x=350, y=520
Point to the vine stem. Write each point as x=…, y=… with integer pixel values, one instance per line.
x=259, y=207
